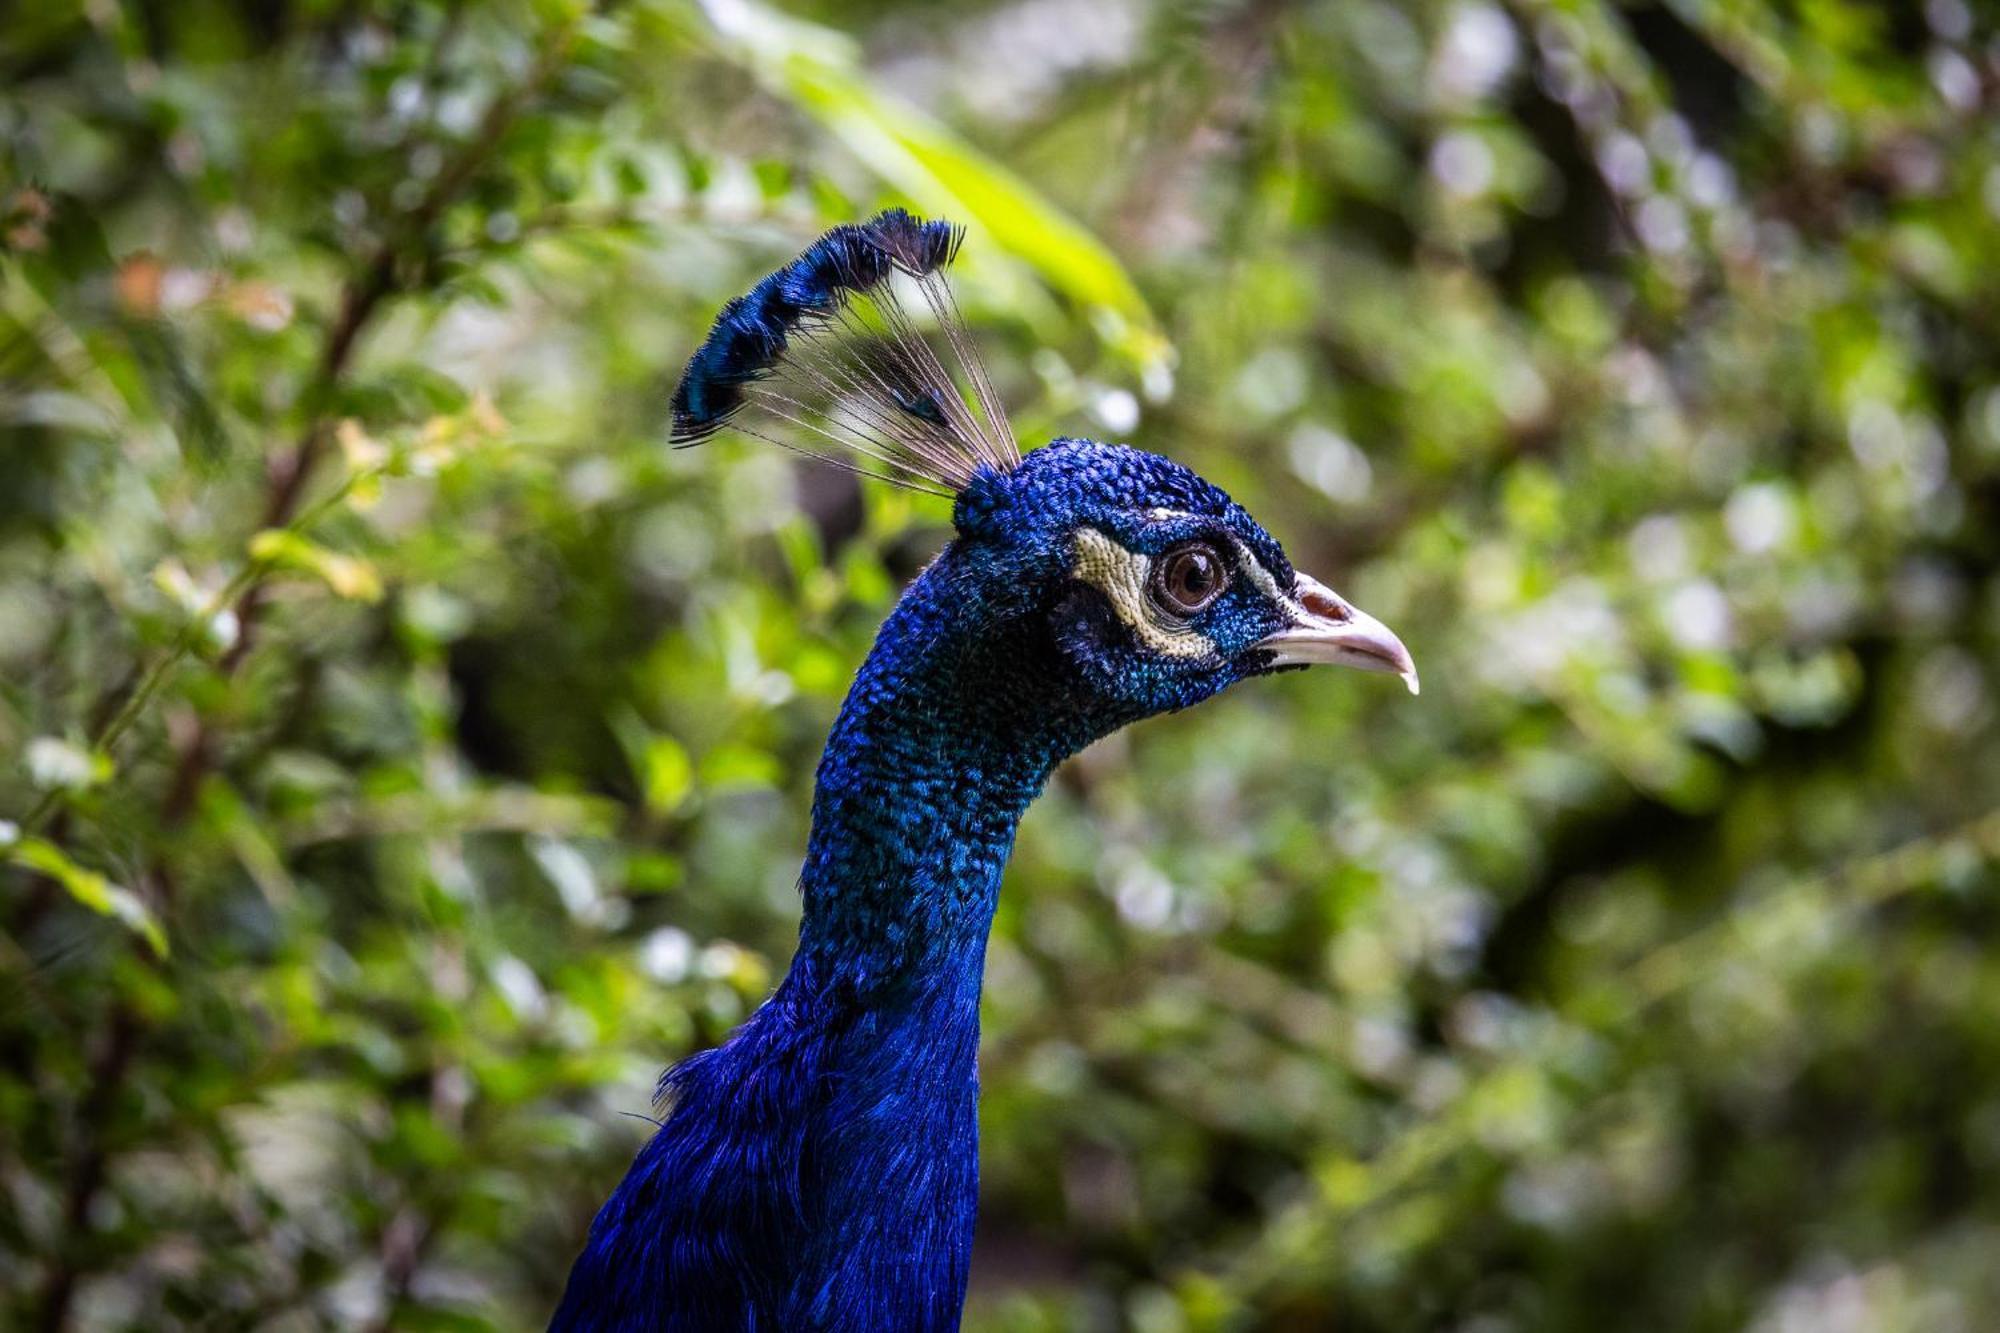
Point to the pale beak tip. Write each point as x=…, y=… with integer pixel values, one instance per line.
x=1327, y=628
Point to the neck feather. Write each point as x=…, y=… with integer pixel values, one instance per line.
x=820, y=1169
x=941, y=746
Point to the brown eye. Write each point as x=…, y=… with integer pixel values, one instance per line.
x=1188, y=578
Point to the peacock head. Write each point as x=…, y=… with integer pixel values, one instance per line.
x=1155, y=588
x=1132, y=585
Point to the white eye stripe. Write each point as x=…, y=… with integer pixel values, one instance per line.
x=1121, y=575
x=1253, y=569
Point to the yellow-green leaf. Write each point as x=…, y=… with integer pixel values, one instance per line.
x=669, y=774
x=89, y=888
x=818, y=70
x=349, y=576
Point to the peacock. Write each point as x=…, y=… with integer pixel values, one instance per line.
x=819, y=1169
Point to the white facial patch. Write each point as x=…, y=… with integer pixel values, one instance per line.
x=1122, y=577
x=1253, y=568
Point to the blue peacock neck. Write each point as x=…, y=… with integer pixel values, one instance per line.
x=944, y=741
x=942, y=744
x=819, y=1170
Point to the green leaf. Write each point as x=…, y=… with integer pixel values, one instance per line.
x=349, y=576
x=819, y=70
x=89, y=888
x=669, y=774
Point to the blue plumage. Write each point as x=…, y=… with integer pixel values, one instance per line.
x=819, y=1170
x=750, y=336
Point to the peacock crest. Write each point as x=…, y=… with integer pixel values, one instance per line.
x=829, y=357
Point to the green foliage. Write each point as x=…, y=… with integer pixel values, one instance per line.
x=403, y=755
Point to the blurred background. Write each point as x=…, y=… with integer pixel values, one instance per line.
x=404, y=755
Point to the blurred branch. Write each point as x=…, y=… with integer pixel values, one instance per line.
x=378, y=279
x=1238, y=52
x=481, y=812
x=405, y=1242
x=562, y=220
x=146, y=684
x=87, y=1169
x=408, y=1237
x=1851, y=889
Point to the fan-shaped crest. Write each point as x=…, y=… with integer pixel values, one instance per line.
x=824, y=357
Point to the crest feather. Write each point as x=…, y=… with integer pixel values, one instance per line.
x=823, y=357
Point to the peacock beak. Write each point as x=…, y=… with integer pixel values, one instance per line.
x=1326, y=629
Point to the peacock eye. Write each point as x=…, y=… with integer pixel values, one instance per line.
x=1188, y=578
